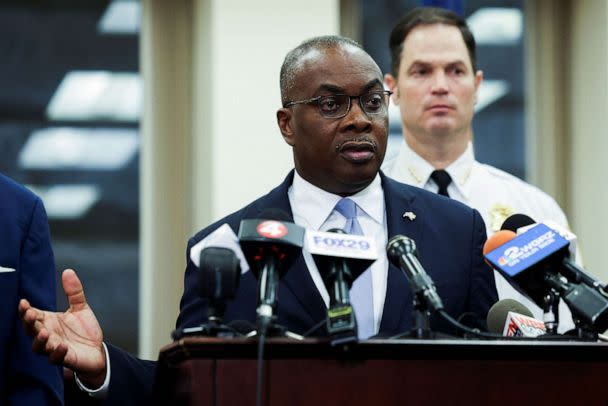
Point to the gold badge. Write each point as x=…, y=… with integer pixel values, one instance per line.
x=498, y=214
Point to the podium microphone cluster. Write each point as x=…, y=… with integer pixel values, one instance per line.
x=536, y=262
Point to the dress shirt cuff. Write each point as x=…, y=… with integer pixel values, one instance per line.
x=102, y=391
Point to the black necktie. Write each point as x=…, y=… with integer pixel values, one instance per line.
x=442, y=179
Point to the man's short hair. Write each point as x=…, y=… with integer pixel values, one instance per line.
x=291, y=64
x=428, y=16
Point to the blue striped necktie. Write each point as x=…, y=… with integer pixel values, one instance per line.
x=361, y=293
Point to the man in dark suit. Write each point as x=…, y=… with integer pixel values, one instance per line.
x=27, y=269
x=334, y=117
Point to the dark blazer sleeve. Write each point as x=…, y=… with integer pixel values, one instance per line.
x=482, y=292
x=33, y=381
x=131, y=379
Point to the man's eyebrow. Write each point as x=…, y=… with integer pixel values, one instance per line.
x=373, y=83
x=337, y=89
x=419, y=62
x=330, y=88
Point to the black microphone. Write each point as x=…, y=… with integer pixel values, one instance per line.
x=220, y=273
x=570, y=268
x=270, y=244
x=340, y=258
x=219, y=277
x=534, y=262
x=516, y=221
x=401, y=251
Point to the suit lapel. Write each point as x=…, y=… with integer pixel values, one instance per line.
x=297, y=280
x=399, y=199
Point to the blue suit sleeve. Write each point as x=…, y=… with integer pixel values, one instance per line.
x=34, y=381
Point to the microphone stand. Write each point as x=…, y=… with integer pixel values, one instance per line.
x=422, y=321
x=268, y=286
x=214, y=327
x=551, y=307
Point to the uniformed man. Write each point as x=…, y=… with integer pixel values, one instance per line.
x=435, y=81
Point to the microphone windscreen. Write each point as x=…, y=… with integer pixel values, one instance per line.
x=501, y=237
x=497, y=315
x=275, y=214
x=220, y=273
x=516, y=221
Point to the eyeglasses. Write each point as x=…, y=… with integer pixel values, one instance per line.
x=338, y=105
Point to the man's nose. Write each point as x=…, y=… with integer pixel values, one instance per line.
x=357, y=119
x=440, y=83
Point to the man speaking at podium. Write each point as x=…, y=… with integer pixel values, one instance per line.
x=334, y=117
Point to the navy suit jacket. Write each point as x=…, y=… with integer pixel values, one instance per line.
x=449, y=236
x=28, y=271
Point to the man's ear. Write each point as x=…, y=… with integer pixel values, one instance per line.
x=478, y=80
x=284, y=116
x=391, y=83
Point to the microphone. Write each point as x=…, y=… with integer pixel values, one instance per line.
x=499, y=238
x=220, y=273
x=516, y=221
x=219, y=277
x=340, y=258
x=571, y=269
x=512, y=319
x=520, y=223
x=223, y=237
x=532, y=261
x=270, y=245
x=401, y=252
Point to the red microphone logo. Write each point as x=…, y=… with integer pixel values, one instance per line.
x=271, y=229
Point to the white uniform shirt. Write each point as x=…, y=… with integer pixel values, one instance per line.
x=495, y=194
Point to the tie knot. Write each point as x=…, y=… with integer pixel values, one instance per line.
x=347, y=208
x=443, y=179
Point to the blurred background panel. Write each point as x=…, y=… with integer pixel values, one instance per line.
x=70, y=104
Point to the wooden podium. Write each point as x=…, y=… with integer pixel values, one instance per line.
x=213, y=371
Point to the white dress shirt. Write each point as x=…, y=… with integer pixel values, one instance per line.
x=313, y=208
x=495, y=194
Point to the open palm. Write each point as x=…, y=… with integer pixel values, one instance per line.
x=73, y=338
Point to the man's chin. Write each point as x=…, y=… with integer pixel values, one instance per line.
x=441, y=129
x=354, y=182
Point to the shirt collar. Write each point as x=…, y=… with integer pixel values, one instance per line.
x=420, y=170
x=315, y=204
x=460, y=170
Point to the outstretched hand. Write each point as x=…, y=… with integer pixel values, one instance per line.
x=73, y=338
